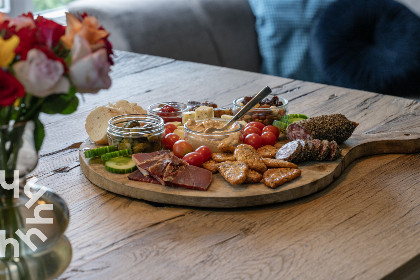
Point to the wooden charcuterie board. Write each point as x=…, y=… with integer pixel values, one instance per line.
x=315, y=176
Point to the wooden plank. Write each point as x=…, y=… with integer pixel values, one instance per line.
x=221, y=194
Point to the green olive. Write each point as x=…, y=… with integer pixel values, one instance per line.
x=152, y=138
x=123, y=146
x=131, y=124
x=141, y=147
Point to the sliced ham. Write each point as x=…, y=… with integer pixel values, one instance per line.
x=146, y=160
x=194, y=178
x=138, y=176
x=165, y=168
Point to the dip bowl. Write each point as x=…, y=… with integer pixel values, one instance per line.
x=168, y=111
x=195, y=135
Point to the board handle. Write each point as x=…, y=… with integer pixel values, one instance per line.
x=398, y=142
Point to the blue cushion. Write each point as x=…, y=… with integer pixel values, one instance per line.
x=283, y=28
x=370, y=45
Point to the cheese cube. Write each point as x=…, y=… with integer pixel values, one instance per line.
x=180, y=132
x=176, y=123
x=227, y=117
x=204, y=112
x=188, y=116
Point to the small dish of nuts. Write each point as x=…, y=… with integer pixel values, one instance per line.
x=266, y=111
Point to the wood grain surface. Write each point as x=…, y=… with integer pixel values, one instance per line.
x=364, y=225
x=221, y=194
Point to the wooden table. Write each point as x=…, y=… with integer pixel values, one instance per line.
x=365, y=225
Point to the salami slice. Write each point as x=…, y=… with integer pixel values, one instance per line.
x=289, y=151
x=299, y=157
x=299, y=151
x=317, y=147
x=335, y=127
x=306, y=151
x=325, y=151
x=335, y=151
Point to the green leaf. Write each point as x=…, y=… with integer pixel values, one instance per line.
x=71, y=106
x=39, y=134
x=60, y=103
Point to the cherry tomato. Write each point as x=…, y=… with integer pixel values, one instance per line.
x=170, y=126
x=167, y=131
x=268, y=138
x=170, y=139
x=205, y=152
x=194, y=158
x=252, y=129
x=254, y=140
x=181, y=148
x=273, y=129
x=256, y=124
x=242, y=138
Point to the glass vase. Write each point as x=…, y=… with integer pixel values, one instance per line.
x=33, y=219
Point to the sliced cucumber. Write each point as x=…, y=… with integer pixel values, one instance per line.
x=297, y=116
x=284, y=122
x=97, y=152
x=281, y=125
x=120, y=153
x=120, y=165
x=292, y=120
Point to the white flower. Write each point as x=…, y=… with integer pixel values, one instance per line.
x=89, y=71
x=41, y=76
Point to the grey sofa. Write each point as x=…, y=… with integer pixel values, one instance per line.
x=217, y=32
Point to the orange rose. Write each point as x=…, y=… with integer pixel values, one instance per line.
x=88, y=28
x=4, y=17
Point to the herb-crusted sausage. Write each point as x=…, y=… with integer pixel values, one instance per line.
x=327, y=127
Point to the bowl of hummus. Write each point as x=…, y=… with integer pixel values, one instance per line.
x=195, y=133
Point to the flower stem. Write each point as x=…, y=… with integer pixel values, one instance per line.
x=34, y=109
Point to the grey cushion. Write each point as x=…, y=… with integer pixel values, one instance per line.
x=218, y=32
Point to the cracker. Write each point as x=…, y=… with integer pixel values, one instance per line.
x=279, y=144
x=97, y=123
x=211, y=165
x=248, y=155
x=126, y=107
x=267, y=151
x=222, y=157
x=253, y=176
x=225, y=147
x=233, y=171
x=278, y=163
x=278, y=176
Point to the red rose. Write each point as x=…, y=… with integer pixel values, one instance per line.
x=10, y=89
x=50, y=31
x=45, y=35
x=28, y=41
x=108, y=47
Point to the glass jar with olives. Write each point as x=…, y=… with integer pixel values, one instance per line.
x=140, y=132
